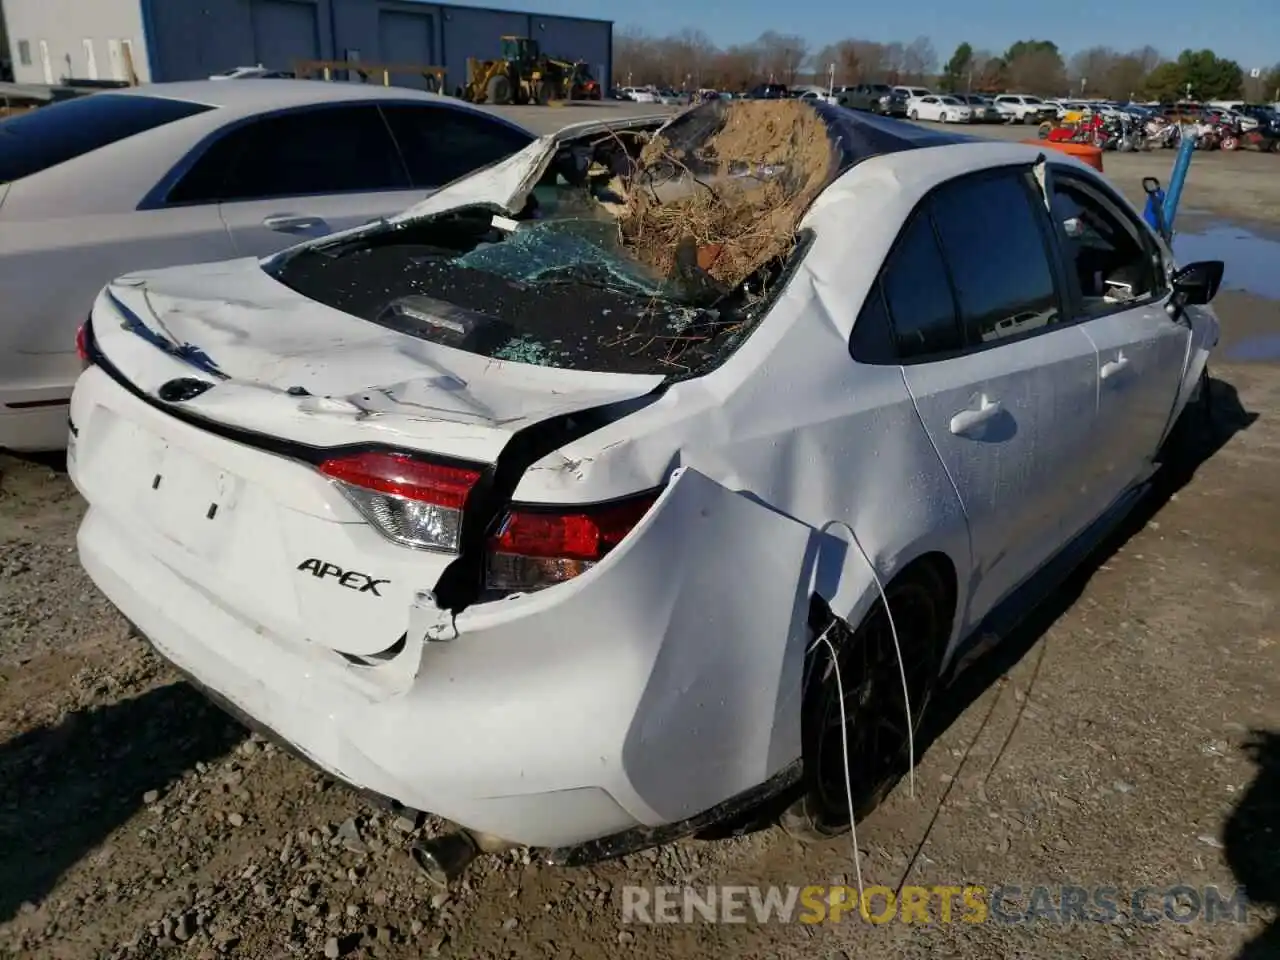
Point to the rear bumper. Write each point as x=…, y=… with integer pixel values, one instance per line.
x=641, y=694
x=403, y=748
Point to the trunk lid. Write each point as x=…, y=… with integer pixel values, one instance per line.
x=251, y=519
x=289, y=367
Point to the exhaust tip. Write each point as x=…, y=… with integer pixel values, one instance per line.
x=443, y=860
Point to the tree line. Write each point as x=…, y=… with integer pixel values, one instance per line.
x=690, y=60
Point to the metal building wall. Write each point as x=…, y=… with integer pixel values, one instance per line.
x=64, y=26
x=191, y=39
x=462, y=32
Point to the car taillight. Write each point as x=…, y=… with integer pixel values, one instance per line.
x=82, y=345
x=538, y=547
x=410, y=501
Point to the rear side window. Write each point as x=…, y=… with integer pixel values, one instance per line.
x=308, y=152
x=914, y=283
x=441, y=144
x=44, y=138
x=995, y=249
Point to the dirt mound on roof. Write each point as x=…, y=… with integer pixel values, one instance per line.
x=727, y=184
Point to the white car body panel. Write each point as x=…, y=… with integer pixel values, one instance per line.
x=59, y=242
x=684, y=646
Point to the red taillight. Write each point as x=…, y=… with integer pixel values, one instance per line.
x=82, y=344
x=411, y=501
x=537, y=548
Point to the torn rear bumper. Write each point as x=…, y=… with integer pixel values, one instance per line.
x=633, y=840
x=302, y=701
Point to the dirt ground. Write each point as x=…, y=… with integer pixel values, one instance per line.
x=1128, y=737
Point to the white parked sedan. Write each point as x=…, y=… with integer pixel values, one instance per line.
x=436, y=503
x=180, y=173
x=1022, y=108
x=941, y=108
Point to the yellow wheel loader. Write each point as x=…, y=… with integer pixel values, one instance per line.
x=521, y=74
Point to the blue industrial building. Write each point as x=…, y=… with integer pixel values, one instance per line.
x=51, y=40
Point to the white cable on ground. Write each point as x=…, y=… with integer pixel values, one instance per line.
x=844, y=720
x=844, y=749
x=902, y=669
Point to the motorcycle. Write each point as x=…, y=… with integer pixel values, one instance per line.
x=1120, y=132
x=1232, y=136
x=1086, y=129
x=1207, y=136
x=1163, y=134
x=1260, y=140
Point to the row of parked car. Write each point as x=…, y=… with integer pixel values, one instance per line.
x=922, y=103
x=917, y=103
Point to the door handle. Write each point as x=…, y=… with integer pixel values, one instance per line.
x=1112, y=367
x=293, y=223
x=964, y=421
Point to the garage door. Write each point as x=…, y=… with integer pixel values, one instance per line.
x=284, y=31
x=406, y=38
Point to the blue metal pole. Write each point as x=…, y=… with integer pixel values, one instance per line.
x=1180, y=167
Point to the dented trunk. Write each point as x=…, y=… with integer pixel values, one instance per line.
x=275, y=362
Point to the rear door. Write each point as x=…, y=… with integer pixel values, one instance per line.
x=1005, y=389
x=286, y=177
x=1117, y=286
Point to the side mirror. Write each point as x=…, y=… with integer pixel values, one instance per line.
x=1197, y=283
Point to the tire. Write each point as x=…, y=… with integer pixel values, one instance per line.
x=1043, y=131
x=923, y=606
x=498, y=92
x=1230, y=143
x=915, y=115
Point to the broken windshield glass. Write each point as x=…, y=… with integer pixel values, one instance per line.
x=564, y=251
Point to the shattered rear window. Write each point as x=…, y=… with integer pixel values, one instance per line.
x=634, y=254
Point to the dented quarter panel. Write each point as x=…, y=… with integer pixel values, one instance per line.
x=693, y=665
x=789, y=416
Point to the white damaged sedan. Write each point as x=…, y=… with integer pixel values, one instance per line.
x=483, y=513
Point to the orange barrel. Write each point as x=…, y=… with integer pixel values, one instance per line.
x=1085, y=152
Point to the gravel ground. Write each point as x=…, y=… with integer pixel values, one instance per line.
x=1129, y=736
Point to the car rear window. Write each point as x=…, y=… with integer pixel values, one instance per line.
x=44, y=138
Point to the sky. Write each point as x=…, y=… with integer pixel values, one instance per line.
x=1247, y=31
